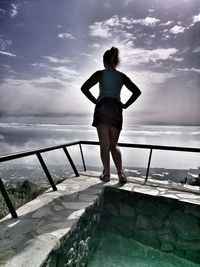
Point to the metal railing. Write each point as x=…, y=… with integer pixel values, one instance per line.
x=38, y=153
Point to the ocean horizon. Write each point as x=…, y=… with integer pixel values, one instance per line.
x=17, y=137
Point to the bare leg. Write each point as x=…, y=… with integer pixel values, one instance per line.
x=104, y=140
x=115, y=151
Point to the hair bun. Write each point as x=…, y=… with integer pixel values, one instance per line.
x=114, y=50
x=111, y=57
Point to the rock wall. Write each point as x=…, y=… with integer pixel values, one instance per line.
x=166, y=224
x=78, y=246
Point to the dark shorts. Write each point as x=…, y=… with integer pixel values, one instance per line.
x=108, y=110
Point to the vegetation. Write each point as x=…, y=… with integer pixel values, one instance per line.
x=20, y=195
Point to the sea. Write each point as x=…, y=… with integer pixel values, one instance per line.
x=18, y=137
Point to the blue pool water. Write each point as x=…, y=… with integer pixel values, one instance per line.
x=117, y=251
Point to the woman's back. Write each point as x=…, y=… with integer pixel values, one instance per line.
x=110, y=84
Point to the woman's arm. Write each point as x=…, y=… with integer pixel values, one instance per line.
x=85, y=88
x=133, y=88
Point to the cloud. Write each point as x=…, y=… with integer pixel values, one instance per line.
x=197, y=50
x=139, y=55
x=150, y=61
x=58, y=60
x=124, y=21
x=177, y=59
x=112, y=22
x=151, y=10
x=99, y=29
x=2, y=11
x=180, y=71
x=64, y=73
x=4, y=43
x=95, y=45
x=7, y=54
x=14, y=10
x=127, y=2
x=9, y=69
x=48, y=77
x=157, y=78
x=196, y=18
x=48, y=82
x=148, y=21
x=169, y=22
x=91, y=57
x=106, y=28
x=35, y=97
x=177, y=29
x=58, y=70
x=39, y=65
x=66, y=35
x=195, y=70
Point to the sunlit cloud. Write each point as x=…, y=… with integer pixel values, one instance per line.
x=95, y=45
x=114, y=25
x=195, y=70
x=181, y=70
x=169, y=22
x=14, y=10
x=58, y=60
x=66, y=35
x=197, y=50
x=139, y=55
x=157, y=78
x=150, y=10
x=177, y=29
x=98, y=29
x=7, y=54
x=196, y=18
x=64, y=73
x=148, y=21
x=92, y=58
x=42, y=94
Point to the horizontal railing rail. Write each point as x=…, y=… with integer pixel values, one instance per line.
x=156, y=147
x=35, y=151
x=38, y=153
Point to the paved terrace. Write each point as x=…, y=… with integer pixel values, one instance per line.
x=43, y=222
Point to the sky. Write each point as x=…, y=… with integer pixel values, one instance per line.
x=49, y=48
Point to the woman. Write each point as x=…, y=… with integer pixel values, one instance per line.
x=108, y=110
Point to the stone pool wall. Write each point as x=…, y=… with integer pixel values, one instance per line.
x=80, y=243
x=166, y=224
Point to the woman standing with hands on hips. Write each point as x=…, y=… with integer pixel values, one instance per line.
x=108, y=110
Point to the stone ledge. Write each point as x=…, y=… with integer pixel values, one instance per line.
x=45, y=221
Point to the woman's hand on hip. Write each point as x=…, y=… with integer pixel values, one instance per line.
x=123, y=105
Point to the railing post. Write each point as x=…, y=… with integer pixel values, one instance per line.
x=7, y=200
x=71, y=161
x=46, y=171
x=149, y=162
x=84, y=167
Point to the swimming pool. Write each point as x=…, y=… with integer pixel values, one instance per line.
x=132, y=229
x=116, y=250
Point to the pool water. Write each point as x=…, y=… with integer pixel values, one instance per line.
x=115, y=250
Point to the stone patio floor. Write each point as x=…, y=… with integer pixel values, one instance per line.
x=45, y=221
